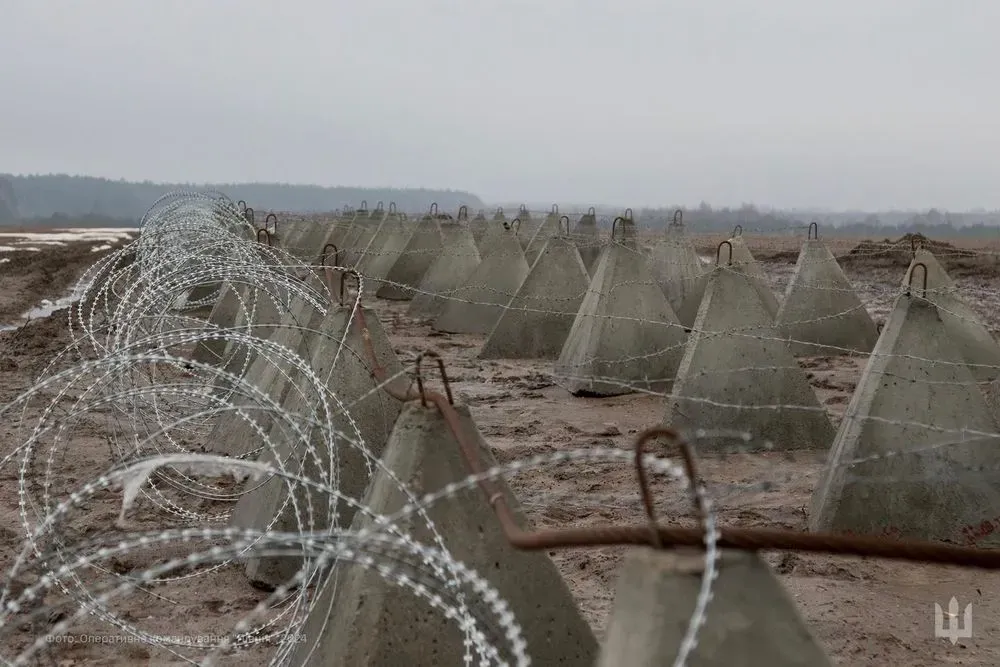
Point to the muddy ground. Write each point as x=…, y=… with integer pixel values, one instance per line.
x=864, y=612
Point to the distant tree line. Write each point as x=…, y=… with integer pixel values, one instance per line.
x=116, y=202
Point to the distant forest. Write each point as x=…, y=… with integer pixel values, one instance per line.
x=62, y=199
x=83, y=200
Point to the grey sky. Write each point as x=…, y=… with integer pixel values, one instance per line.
x=848, y=104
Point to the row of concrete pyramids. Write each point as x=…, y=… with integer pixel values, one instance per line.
x=394, y=627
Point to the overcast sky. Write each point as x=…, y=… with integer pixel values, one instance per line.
x=848, y=104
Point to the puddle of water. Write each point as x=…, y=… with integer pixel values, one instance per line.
x=46, y=308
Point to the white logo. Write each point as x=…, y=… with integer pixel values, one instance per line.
x=957, y=627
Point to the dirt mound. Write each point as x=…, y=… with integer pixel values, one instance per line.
x=900, y=252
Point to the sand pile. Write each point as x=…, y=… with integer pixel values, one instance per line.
x=900, y=251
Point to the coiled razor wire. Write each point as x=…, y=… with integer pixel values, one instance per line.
x=129, y=374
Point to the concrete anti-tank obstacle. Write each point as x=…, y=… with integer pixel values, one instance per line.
x=390, y=241
x=367, y=244
x=547, y=229
x=231, y=433
x=478, y=226
x=537, y=320
x=625, y=334
x=821, y=313
x=366, y=621
x=746, y=263
x=679, y=270
x=751, y=621
x=966, y=330
x=736, y=374
x=342, y=361
x=458, y=259
x=587, y=235
x=909, y=458
x=476, y=306
x=408, y=270
x=526, y=228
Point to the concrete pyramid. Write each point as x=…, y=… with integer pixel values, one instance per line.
x=821, y=308
x=389, y=242
x=587, y=235
x=966, y=330
x=526, y=227
x=408, y=270
x=270, y=374
x=744, y=262
x=625, y=334
x=736, y=374
x=889, y=470
x=751, y=621
x=550, y=227
x=679, y=271
x=479, y=225
x=364, y=621
x=342, y=360
x=476, y=305
x=457, y=260
x=537, y=321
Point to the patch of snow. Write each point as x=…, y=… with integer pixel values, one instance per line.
x=4, y=259
x=99, y=248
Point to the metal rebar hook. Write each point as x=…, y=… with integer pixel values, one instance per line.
x=737, y=231
x=392, y=207
x=690, y=467
x=364, y=206
x=515, y=224
x=499, y=210
x=592, y=211
x=267, y=235
x=324, y=255
x=628, y=214
x=566, y=218
x=242, y=205
x=614, y=226
x=809, y=233
x=522, y=209
x=909, y=283
x=555, y=209
x=444, y=377
x=379, y=208
x=463, y=212
x=271, y=217
x=718, y=253
x=343, y=279
x=678, y=220
x=248, y=214
x=433, y=210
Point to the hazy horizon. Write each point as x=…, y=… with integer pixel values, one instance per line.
x=886, y=105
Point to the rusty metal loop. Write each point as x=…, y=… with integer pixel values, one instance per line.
x=392, y=207
x=628, y=214
x=566, y=218
x=614, y=226
x=242, y=205
x=463, y=212
x=515, y=224
x=336, y=255
x=499, y=210
x=267, y=235
x=343, y=279
x=909, y=282
x=522, y=209
x=690, y=467
x=379, y=208
x=718, y=253
x=678, y=218
x=444, y=377
x=364, y=205
x=591, y=211
x=809, y=233
x=271, y=217
x=555, y=209
x=248, y=214
x=434, y=209
x=737, y=231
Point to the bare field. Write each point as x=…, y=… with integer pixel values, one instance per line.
x=864, y=612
